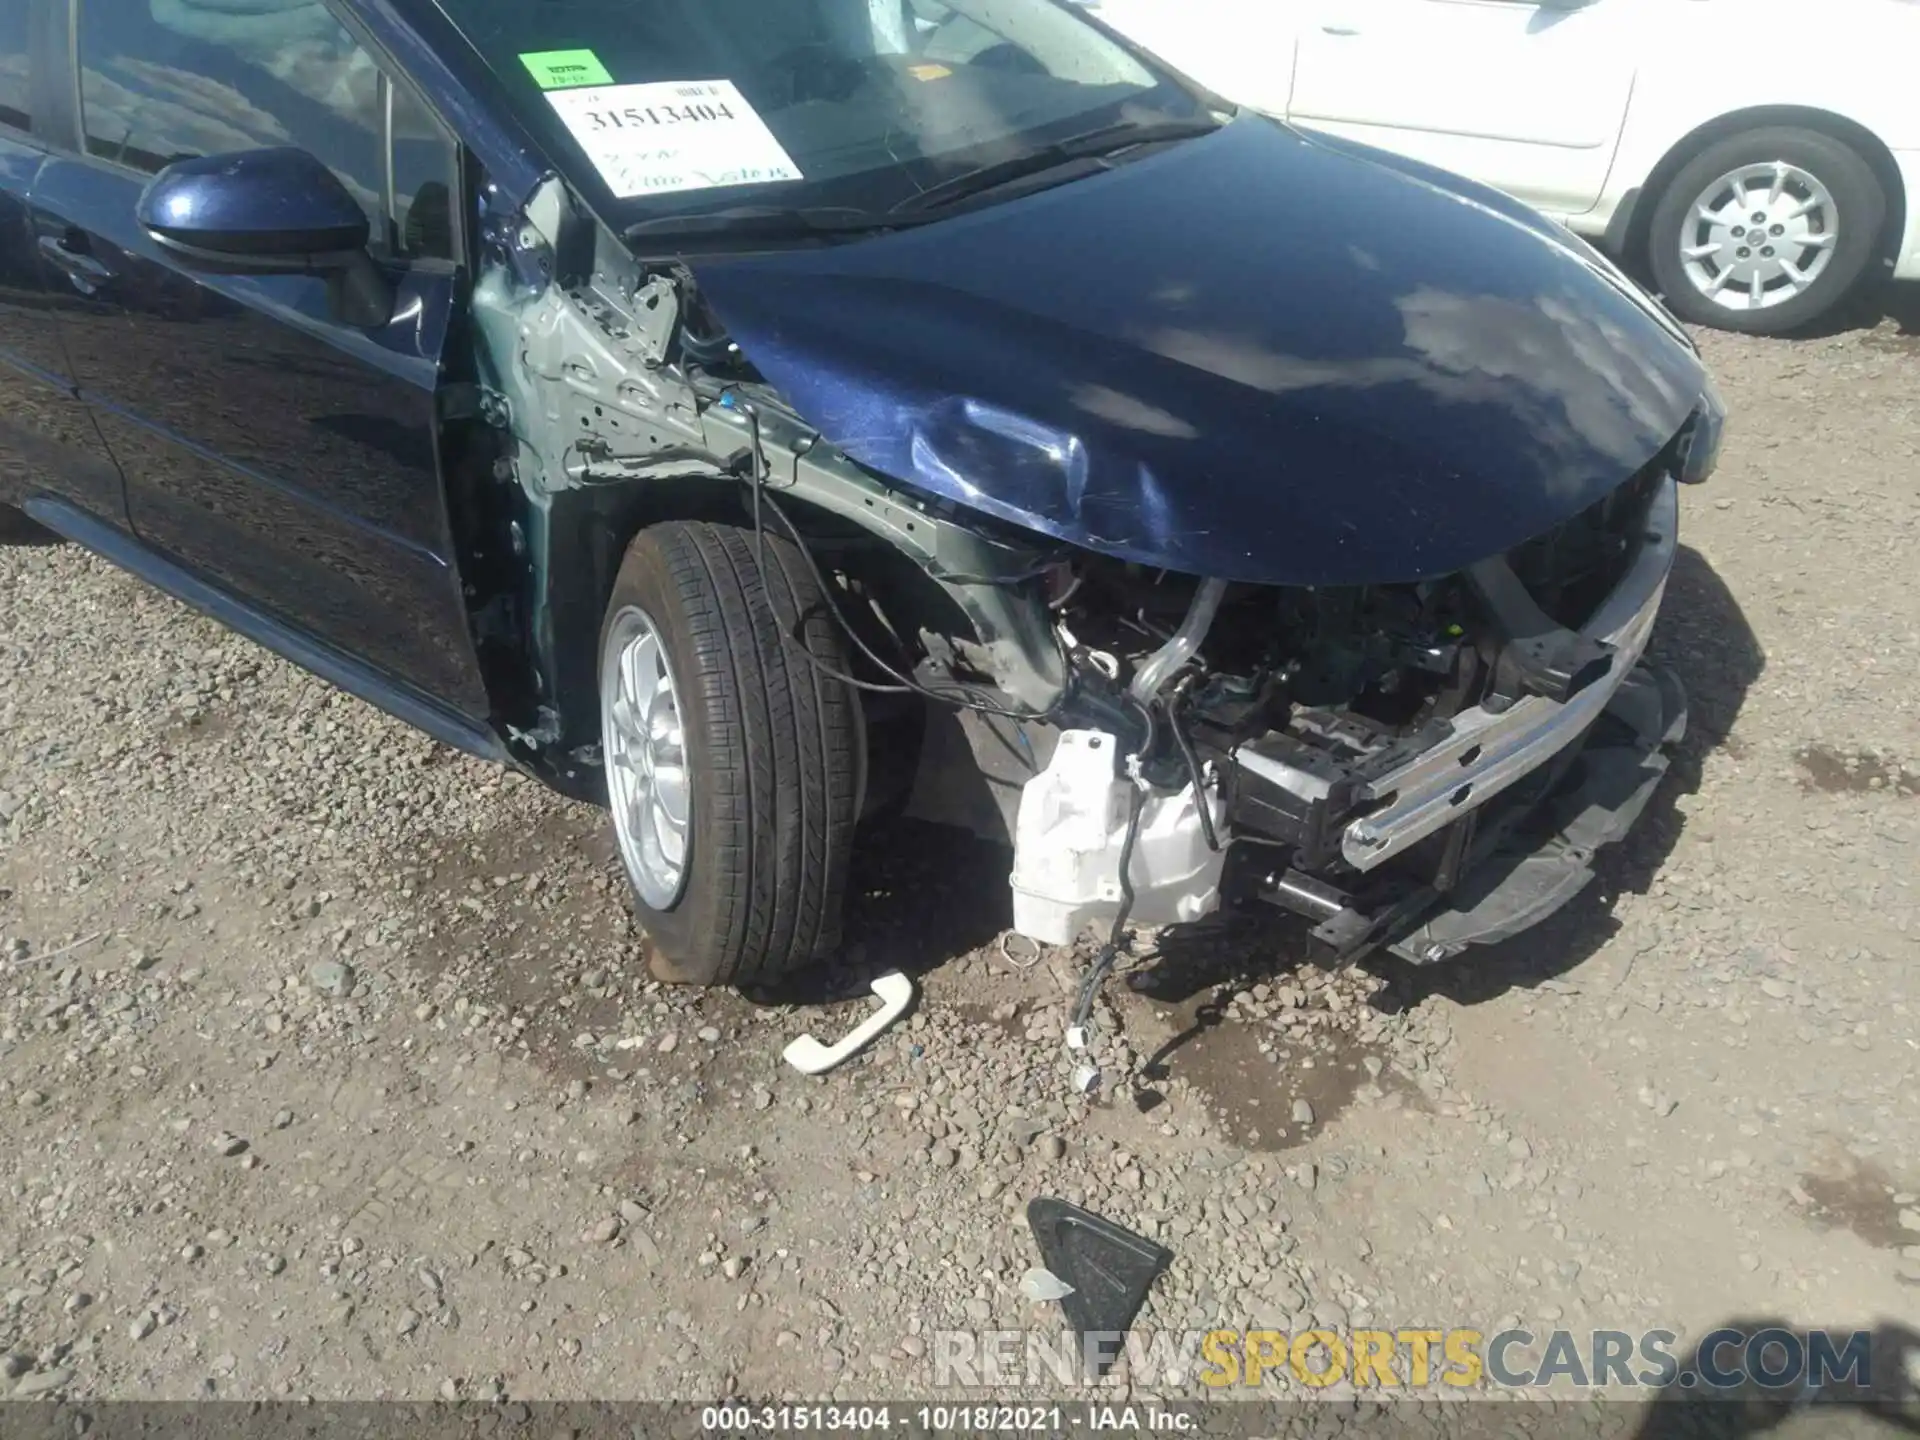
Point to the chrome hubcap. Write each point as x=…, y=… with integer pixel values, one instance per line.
x=1759, y=235
x=647, y=779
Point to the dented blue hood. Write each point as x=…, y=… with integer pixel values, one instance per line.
x=1257, y=355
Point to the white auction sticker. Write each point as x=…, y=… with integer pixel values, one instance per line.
x=673, y=135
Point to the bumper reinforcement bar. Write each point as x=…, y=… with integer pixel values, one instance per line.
x=1488, y=751
x=1527, y=857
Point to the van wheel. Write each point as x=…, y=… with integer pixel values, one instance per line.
x=733, y=765
x=19, y=528
x=1767, y=231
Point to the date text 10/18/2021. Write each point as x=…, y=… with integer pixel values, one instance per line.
x=929, y=1419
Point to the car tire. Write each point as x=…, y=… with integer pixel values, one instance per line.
x=770, y=753
x=1848, y=200
x=19, y=528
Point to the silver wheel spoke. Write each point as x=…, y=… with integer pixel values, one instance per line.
x=671, y=840
x=671, y=793
x=633, y=680
x=643, y=740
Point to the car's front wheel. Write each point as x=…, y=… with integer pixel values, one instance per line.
x=734, y=763
x=1766, y=231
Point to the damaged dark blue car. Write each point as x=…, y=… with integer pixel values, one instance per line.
x=766, y=415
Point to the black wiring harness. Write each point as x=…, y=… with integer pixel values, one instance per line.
x=1109, y=955
x=902, y=684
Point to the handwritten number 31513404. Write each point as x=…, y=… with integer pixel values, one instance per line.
x=642, y=116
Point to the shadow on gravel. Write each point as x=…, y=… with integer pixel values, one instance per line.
x=1238, y=947
x=1232, y=951
x=920, y=896
x=1705, y=639
x=18, y=532
x=1903, y=307
x=1895, y=301
x=1876, y=1396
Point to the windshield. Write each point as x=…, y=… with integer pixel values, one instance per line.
x=674, y=106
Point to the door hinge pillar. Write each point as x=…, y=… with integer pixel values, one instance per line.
x=467, y=401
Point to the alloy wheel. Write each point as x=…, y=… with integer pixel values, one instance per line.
x=1759, y=236
x=649, y=783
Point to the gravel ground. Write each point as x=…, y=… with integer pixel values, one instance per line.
x=330, y=1065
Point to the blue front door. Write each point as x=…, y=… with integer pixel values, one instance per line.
x=277, y=451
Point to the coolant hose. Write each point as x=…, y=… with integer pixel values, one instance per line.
x=1159, y=666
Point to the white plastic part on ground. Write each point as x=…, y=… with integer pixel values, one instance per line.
x=1040, y=1285
x=810, y=1057
x=1067, y=841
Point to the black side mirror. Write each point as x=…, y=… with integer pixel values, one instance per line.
x=268, y=212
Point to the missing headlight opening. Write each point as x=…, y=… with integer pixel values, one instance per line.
x=1415, y=765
